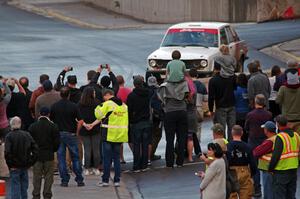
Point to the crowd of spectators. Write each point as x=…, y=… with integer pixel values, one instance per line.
x=48, y=127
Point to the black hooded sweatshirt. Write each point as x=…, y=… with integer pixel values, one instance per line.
x=138, y=105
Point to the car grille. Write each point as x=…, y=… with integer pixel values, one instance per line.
x=163, y=63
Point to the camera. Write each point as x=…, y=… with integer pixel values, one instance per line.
x=104, y=66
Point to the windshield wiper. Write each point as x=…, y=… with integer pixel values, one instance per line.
x=167, y=45
x=197, y=45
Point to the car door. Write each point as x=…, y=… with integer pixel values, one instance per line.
x=231, y=43
x=223, y=37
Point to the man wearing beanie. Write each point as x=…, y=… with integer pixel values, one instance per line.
x=156, y=117
x=281, y=80
x=288, y=98
x=46, y=135
x=47, y=99
x=139, y=119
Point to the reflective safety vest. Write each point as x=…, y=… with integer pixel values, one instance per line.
x=114, y=124
x=264, y=161
x=289, y=158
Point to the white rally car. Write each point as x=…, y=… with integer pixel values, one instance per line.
x=198, y=43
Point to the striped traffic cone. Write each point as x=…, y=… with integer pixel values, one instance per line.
x=2, y=189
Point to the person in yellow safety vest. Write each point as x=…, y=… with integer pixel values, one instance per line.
x=285, y=161
x=113, y=118
x=264, y=153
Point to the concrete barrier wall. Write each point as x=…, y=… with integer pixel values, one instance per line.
x=158, y=11
x=171, y=11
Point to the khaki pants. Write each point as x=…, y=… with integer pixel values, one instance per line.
x=42, y=170
x=245, y=181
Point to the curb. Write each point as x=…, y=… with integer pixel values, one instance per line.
x=277, y=52
x=287, y=54
x=47, y=12
x=122, y=192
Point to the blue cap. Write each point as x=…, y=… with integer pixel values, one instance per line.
x=270, y=126
x=44, y=111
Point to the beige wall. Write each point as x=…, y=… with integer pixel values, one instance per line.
x=171, y=11
x=162, y=11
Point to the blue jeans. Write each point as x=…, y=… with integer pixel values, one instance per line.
x=71, y=141
x=18, y=184
x=141, y=139
x=267, y=185
x=256, y=178
x=111, y=151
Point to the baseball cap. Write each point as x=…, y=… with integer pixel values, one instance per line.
x=44, y=111
x=270, y=126
x=152, y=81
x=217, y=128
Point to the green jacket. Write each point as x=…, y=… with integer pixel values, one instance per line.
x=289, y=99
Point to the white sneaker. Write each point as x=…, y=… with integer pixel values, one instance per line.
x=96, y=172
x=117, y=184
x=102, y=184
x=87, y=172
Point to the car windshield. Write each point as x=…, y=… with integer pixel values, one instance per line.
x=191, y=37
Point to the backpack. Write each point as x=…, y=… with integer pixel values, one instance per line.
x=156, y=106
x=232, y=183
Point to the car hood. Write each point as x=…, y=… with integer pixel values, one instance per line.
x=187, y=53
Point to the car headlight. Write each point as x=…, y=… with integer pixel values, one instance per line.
x=152, y=63
x=203, y=63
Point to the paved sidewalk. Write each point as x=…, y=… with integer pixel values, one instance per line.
x=292, y=47
x=84, y=15
x=90, y=191
x=285, y=51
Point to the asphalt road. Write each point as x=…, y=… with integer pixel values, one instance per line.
x=31, y=45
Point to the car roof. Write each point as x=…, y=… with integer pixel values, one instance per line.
x=213, y=25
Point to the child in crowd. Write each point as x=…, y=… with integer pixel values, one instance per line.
x=175, y=68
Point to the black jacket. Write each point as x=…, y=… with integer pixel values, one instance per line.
x=21, y=151
x=221, y=92
x=138, y=105
x=46, y=135
x=87, y=113
x=65, y=114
